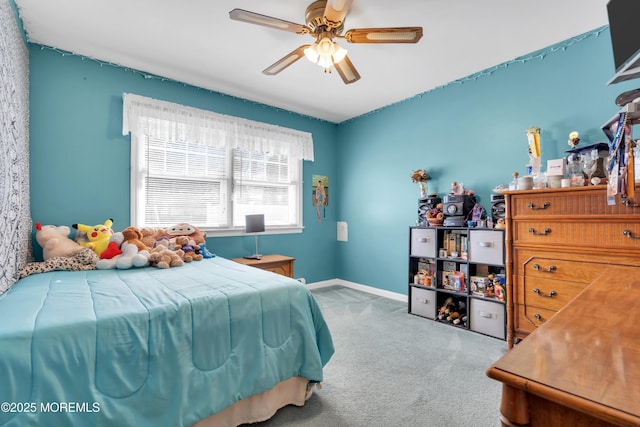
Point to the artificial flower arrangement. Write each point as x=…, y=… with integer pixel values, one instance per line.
x=419, y=175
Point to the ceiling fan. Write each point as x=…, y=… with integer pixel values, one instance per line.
x=325, y=21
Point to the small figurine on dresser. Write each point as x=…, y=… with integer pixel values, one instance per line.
x=574, y=139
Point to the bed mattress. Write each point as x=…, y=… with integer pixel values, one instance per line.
x=152, y=347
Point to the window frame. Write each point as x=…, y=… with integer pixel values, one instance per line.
x=138, y=192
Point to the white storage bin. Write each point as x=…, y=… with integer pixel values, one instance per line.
x=488, y=318
x=423, y=302
x=423, y=242
x=486, y=247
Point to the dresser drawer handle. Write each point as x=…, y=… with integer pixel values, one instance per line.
x=539, y=317
x=629, y=234
x=551, y=268
x=424, y=240
x=542, y=294
x=545, y=205
x=544, y=233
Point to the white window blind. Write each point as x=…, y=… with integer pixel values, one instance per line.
x=191, y=165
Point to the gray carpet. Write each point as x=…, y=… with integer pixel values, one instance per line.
x=392, y=368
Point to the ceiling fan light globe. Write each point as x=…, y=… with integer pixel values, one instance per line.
x=325, y=47
x=325, y=63
x=338, y=53
x=312, y=53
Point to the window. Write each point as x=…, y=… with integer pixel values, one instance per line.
x=195, y=166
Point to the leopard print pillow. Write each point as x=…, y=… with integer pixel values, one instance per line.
x=84, y=260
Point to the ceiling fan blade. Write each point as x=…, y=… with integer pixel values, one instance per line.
x=268, y=21
x=384, y=35
x=336, y=10
x=286, y=61
x=347, y=71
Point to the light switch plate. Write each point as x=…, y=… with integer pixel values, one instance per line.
x=343, y=231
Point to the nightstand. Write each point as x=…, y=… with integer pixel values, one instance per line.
x=279, y=264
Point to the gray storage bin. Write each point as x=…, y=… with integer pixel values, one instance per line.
x=423, y=242
x=423, y=302
x=488, y=318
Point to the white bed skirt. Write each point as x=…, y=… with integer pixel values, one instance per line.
x=262, y=406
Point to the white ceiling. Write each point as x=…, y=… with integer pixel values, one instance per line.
x=195, y=42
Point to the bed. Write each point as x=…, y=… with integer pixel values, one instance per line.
x=212, y=342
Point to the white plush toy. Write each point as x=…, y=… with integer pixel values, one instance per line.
x=55, y=241
x=130, y=256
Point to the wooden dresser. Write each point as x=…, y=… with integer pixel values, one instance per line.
x=582, y=368
x=558, y=241
x=279, y=264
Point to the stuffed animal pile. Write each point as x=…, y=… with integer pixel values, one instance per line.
x=99, y=247
x=183, y=239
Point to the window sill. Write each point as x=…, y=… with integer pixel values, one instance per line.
x=216, y=232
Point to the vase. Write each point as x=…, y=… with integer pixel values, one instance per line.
x=423, y=189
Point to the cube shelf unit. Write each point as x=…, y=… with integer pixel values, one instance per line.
x=465, y=271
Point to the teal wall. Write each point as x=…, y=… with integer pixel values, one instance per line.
x=80, y=160
x=470, y=131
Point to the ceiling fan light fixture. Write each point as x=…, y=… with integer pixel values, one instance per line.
x=325, y=53
x=325, y=47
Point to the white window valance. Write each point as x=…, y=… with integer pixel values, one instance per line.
x=167, y=120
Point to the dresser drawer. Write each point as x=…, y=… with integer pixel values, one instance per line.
x=423, y=242
x=526, y=319
x=546, y=293
x=609, y=234
x=486, y=246
x=541, y=265
x=579, y=202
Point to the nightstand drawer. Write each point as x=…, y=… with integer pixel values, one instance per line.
x=278, y=264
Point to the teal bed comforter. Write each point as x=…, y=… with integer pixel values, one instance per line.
x=152, y=347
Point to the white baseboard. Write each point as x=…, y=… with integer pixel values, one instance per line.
x=364, y=288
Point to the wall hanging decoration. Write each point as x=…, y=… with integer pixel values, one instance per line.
x=320, y=193
x=15, y=216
